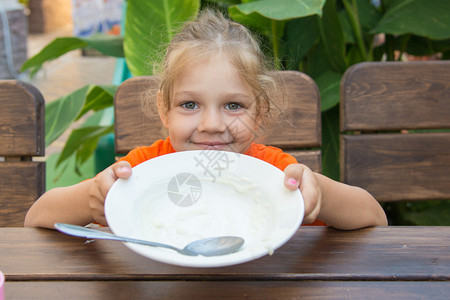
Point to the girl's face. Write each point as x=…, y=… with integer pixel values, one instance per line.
x=212, y=108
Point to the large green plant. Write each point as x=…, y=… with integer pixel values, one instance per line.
x=319, y=37
x=148, y=26
x=343, y=33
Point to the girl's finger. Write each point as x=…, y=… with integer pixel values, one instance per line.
x=293, y=176
x=122, y=169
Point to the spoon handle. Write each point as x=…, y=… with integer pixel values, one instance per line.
x=90, y=233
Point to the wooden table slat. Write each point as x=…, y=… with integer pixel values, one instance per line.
x=314, y=253
x=219, y=290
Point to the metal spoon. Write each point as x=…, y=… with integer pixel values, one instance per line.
x=213, y=246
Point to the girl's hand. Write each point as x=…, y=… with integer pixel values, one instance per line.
x=101, y=186
x=300, y=176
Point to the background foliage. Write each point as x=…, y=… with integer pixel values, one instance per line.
x=321, y=38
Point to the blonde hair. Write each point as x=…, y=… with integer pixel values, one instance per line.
x=212, y=33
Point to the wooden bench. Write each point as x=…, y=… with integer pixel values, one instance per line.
x=22, y=137
x=395, y=121
x=299, y=134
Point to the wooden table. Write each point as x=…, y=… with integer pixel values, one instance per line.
x=394, y=262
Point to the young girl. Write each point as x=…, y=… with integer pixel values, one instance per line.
x=216, y=93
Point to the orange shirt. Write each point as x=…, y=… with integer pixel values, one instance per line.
x=271, y=155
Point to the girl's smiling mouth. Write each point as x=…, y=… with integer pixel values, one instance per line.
x=212, y=145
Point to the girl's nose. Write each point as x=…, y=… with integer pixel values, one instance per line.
x=212, y=121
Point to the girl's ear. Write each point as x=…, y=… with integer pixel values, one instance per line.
x=162, y=110
x=258, y=121
x=257, y=128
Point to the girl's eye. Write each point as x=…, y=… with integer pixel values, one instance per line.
x=189, y=105
x=233, y=106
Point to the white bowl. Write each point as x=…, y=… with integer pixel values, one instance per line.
x=184, y=196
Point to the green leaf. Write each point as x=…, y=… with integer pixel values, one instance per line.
x=263, y=14
x=107, y=44
x=99, y=97
x=328, y=84
x=332, y=37
x=96, y=119
x=60, y=114
x=280, y=10
x=82, y=142
x=269, y=17
x=354, y=55
x=149, y=26
x=346, y=27
x=52, y=51
x=257, y=21
x=428, y=18
x=300, y=36
x=368, y=14
x=316, y=61
x=62, y=176
x=110, y=45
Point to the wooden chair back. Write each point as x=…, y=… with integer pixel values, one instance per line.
x=395, y=124
x=299, y=134
x=22, y=137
